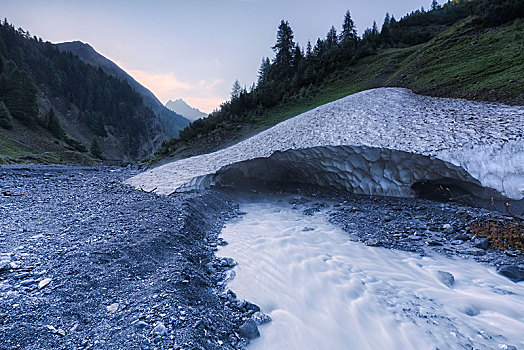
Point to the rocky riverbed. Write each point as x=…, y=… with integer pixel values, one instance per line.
x=89, y=263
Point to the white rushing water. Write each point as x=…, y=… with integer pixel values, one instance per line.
x=325, y=291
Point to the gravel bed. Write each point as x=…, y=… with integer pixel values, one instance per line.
x=89, y=263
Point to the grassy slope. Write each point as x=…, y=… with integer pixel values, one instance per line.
x=25, y=145
x=463, y=61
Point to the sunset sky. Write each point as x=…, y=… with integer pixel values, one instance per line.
x=191, y=49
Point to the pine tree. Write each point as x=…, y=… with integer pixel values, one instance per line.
x=349, y=32
x=434, y=5
x=263, y=72
x=284, y=45
x=374, y=29
x=236, y=90
x=308, y=49
x=384, y=32
x=96, y=150
x=6, y=120
x=331, y=38
x=53, y=125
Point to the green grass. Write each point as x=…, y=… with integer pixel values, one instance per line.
x=465, y=61
x=28, y=145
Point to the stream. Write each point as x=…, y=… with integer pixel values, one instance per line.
x=324, y=290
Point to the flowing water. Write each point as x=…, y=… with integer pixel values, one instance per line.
x=325, y=291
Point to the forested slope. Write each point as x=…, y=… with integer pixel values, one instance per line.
x=472, y=49
x=55, y=108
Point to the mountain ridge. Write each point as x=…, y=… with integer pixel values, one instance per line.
x=181, y=107
x=171, y=121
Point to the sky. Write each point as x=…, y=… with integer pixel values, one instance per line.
x=192, y=49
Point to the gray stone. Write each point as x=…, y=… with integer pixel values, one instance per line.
x=260, y=318
x=373, y=242
x=141, y=325
x=514, y=273
x=27, y=282
x=5, y=265
x=160, y=329
x=462, y=237
x=482, y=243
x=249, y=329
x=447, y=278
x=113, y=307
x=449, y=229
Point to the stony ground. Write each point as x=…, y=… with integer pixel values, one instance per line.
x=89, y=263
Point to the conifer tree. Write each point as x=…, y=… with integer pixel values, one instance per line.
x=263, y=72
x=236, y=90
x=349, y=32
x=331, y=38
x=53, y=125
x=6, y=120
x=308, y=48
x=284, y=45
x=96, y=150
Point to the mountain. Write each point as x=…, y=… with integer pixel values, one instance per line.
x=54, y=107
x=181, y=107
x=171, y=121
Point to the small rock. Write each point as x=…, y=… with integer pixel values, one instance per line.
x=476, y=252
x=43, y=283
x=260, y=318
x=482, y=243
x=307, y=229
x=160, y=329
x=249, y=330
x=462, y=237
x=141, y=325
x=514, y=273
x=113, y=307
x=5, y=265
x=449, y=229
x=27, y=282
x=447, y=278
x=373, y=242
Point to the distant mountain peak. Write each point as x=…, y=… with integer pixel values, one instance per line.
x=181, y=107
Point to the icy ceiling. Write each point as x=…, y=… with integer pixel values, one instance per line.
x=379, y=141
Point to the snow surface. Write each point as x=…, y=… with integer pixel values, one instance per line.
x=324, y=291
x=390, y=138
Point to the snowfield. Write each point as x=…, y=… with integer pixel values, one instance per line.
x=380, y=141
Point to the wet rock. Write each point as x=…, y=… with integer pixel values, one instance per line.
x=249, y=330
x=43, y=283
x=113, y=307
x=27, y=282
x=447, y=278
x=373, y=242
x=160, y=329
x=476, y=252
x=514, y=273
x=260, y=318
x=449, y=229
x=141, y=325
x=227, y=262
x=5, y=265
x=462, y=237
x=482, y=243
